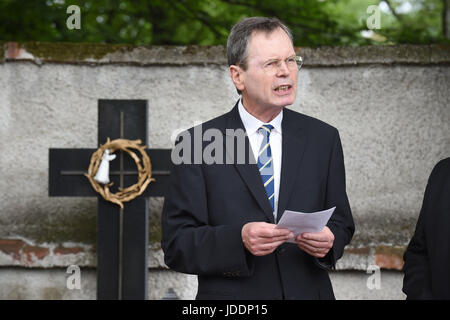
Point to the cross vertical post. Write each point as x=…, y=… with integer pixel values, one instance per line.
x=122, y=235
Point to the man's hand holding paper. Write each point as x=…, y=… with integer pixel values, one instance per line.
x=316, y=244
x=261, y=238
x=310, y=230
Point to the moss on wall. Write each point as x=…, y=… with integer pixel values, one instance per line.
x=92, y=53
x=72, y=52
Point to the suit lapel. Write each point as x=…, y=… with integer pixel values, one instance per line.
x=293, y=147
x=249, y=169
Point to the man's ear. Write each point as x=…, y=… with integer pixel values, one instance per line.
x=237, y=76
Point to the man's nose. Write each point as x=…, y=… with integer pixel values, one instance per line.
x=283, y=69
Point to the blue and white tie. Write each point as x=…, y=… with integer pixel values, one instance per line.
x=265, y=163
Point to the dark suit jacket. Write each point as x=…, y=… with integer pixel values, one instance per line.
x=207, y=206
x=427, y=258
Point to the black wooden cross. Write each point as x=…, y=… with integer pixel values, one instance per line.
x=122, y=235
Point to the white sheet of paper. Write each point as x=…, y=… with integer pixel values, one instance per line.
x=300, y=222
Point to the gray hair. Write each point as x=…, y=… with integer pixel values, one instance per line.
x=239, y=37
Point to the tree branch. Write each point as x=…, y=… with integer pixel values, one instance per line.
x=202, y=19
x=399, y=18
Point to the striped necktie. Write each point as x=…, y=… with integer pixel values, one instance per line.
x=265, y=163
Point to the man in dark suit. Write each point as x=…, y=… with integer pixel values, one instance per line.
x=427, y=258
x=219, y=217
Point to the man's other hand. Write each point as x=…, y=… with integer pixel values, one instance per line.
x=316, y=244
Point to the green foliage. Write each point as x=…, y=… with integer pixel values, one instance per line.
x=207, y=22
x=421, y=24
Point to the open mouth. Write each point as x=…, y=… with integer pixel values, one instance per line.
x=283, y=88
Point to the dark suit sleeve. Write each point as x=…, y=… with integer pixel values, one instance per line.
x=341, y=222
x=190, y=243
x=417, y=278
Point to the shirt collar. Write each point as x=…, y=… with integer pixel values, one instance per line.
x=252, y=124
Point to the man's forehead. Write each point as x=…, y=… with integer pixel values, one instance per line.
x=273, y=43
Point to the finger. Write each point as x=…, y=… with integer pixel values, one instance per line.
x=265, y=249
x=275, y=239
x=271, y=231
x=305, y=249
x=258, y=245
x=312, y=249
x=313, y=253
x=283, y=238
x=256, y=230
x=269, y=246
x=262, y=252
x=316, y=244
x=316, y=236
x=324, y=235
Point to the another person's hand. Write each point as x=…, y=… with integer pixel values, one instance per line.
x=261, y=238
x=316, y=244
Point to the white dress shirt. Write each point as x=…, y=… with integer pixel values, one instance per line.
x=252, y=125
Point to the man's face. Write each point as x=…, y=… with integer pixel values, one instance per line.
x=262, y=89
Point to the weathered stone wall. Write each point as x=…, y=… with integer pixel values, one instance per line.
x=390, y=104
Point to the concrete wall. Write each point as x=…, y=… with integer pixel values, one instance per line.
x=390, y=104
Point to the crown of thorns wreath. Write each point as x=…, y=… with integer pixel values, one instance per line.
x=144, y=171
